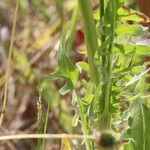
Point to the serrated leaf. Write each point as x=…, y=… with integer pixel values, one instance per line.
x=139, y=126
x=65, y=68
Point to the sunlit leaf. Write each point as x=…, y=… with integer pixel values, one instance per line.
x=134, y=30
x=140, y=50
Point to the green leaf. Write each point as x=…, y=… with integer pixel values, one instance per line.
x=53, y=76
x=141, y=86
x=66, y=88
x=89, y=95
x=134, y=30
x=84, y=66
x=128, y=146
x=139, y=126
x=65, y=68
x=140, y=50
x=97, y=105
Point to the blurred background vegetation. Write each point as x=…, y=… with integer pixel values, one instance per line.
x=37, y=35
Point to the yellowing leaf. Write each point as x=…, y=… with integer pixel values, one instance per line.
x=66, y=144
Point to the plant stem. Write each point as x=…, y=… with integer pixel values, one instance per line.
x=90, y=37
x=8, y=65
x=105, y=118
x=109, y=68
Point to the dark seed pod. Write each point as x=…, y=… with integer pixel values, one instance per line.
x=106, y=140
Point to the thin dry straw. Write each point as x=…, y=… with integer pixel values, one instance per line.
x=45, y=136
x=8, y=64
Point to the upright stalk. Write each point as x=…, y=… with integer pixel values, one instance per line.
x=105, y=118
x=92, y=48
x=90, y=37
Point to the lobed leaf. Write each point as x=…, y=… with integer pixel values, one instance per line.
x=65, y=68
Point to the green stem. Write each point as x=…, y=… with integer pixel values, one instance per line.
x=109, y=69
x=90, y=37
x=105, y=119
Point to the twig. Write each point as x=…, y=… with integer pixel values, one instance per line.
x=46, y=136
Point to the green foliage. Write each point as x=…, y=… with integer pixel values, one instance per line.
x=134, y=30
x=116, y=69
x=65, y=69
x=138, y=131
x=128, y=146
